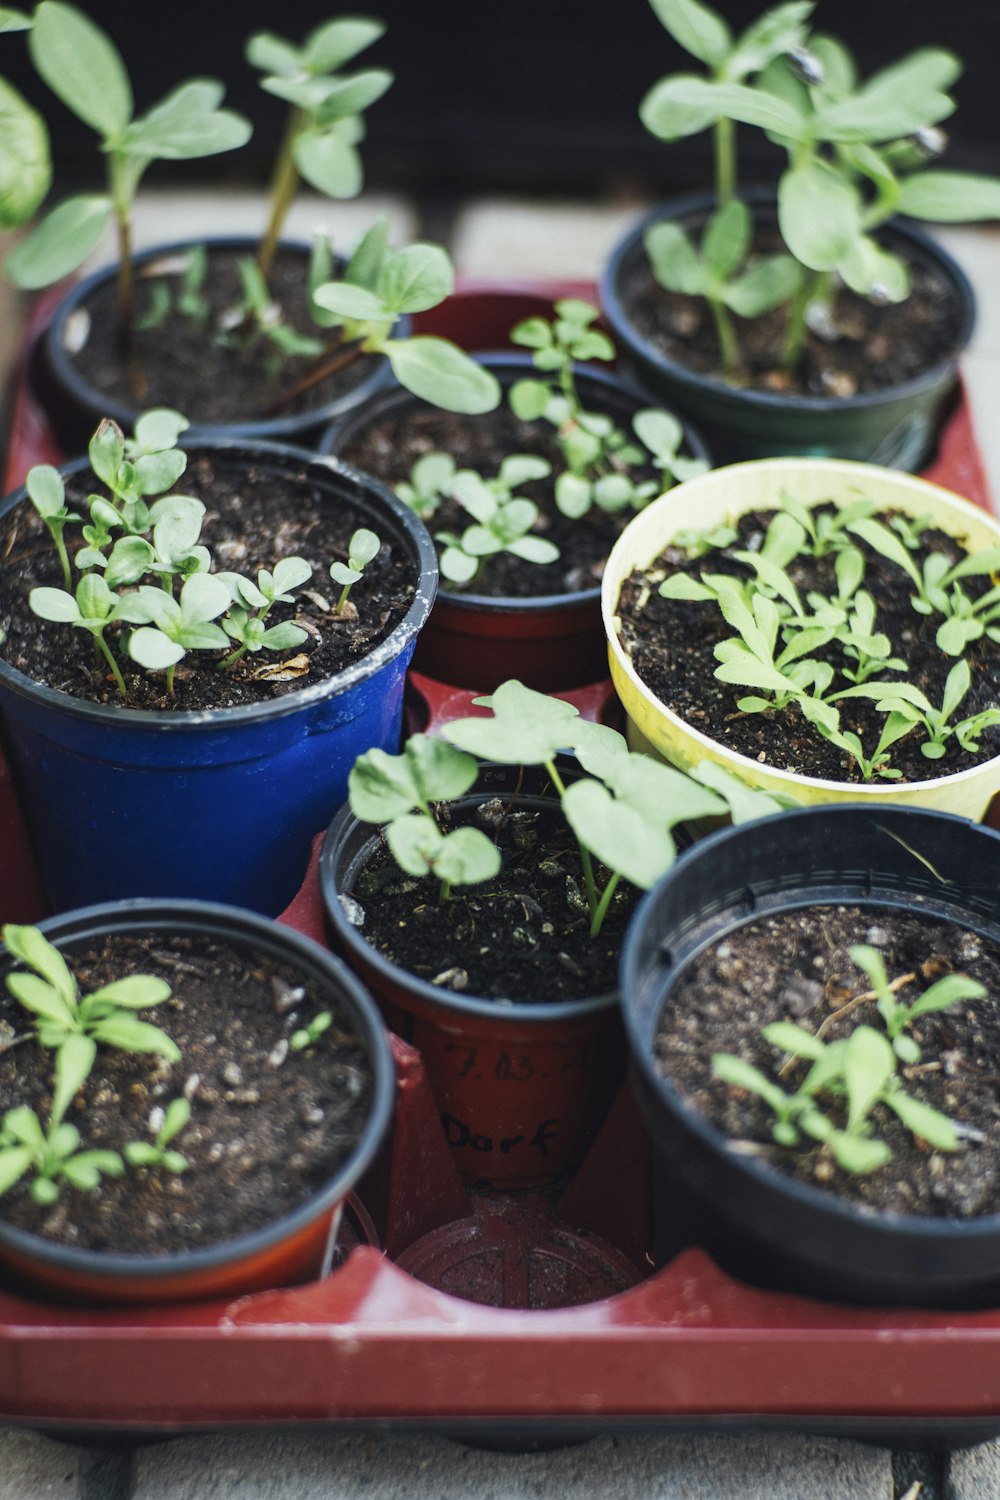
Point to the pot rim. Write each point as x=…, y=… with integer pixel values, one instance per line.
x=89, y=397
x=422, y=555
x=504, y=360
x=771, y=401
x=621, y=662
x=234, y=923
x=332, y=880
x=915, y=1227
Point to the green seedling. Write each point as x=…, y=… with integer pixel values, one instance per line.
x=47, y=494
x=158, y=1153
x=502, y=521
x=896, y=727
x=67, y=1019
x=324, y=123
x=363, y=549
x=309, y=1035
x=93, y=607
x=258, y=313
x=84, y=69
x=429, y=483
x=190, y=300
x=51, y=1151
x=720, y=270
x=137, y=468
x=169, y=628
x=400, y=791
x=598, y=454
x=252, y=602
x=909, y=703
x=851, y=157
x=695, y=543
x=898, y=1016
x=25, y=155
x=377, y=288
x=824, y=530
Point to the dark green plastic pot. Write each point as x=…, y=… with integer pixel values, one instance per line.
x=897, y=426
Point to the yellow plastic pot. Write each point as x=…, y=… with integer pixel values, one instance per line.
x=725, y=494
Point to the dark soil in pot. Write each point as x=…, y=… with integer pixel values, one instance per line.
x=389, y=449
x=522, y=936
x=182, y=362
x=254, y=516
x=869, y=346
x=795, y=966
x=671, y=644
x=269, y=1125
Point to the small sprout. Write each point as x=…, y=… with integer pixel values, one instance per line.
x=429, y=483
x=170, y=628
x=502, y=521
x=45, y=491
x=309, y=1035
x=156, y=1153
x=896, y=1014
x=252, y=602
x=51, y=1150
x=64, y=1018
x=364, y=547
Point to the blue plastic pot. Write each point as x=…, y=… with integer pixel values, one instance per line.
x=221, y=804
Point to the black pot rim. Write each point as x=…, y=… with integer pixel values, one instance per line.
x=422, y=554
x=331, y=876
x=231, y=922
x=88, y=397
x=915, y=1228
x=506, y=362
x=769, y=401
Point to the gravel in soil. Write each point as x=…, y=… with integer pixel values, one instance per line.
x=672, y=646
x=521, y=937
x=254, y=517
x=269, y=1126
x=866, y=346
x=390, y=449
x=182, y=365
x=795, y=966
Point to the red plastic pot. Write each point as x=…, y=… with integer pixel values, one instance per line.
x=295, y=1248
x=521, y=1088
x=550, y=642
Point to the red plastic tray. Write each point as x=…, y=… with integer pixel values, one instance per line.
x=372, y=1344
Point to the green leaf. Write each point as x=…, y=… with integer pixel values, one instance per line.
x=527, y=727
x=272, y=54
x=777, y=31
x=31, y=947
x=135, y=1036
x=699, y=29
x=82, y=67
x=383, y=786
x=60, y=243
x=14, y=1162
x=867, y=268
x=794, y=1039
x=336, y=42
x=353, y=95
x=45, y=488
x=352, y=301
x=467, y=857
x=887, y=543
x=415, y=279
x=950, y=197
x=735, y=100
x=764, y=285
x=624, y=838
x=328, y=163
x=855, y=1154
x=74, y=1060
x=669, y=113
x=415, y=842
x=41, y=998
x=134, y=992
x=819, y=214
x=869, y=1063
x=188, y=124
x=153, y=650
x=727, y=239
x=743, y=1075
x=439, y=372
x=25, y=165
x=675, y=262
x=895, y=102
x=921, y=1119
x=366, y=262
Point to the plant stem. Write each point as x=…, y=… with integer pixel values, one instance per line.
x=346, y=356
x=282, y=193
x=597, y=919
x=586, y=863
x=724, y=143
x=115, y=671
x=343, y=598
x=729, y=348
x=64, y=561
x=811, y=289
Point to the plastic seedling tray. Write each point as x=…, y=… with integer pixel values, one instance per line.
x=513, y=1315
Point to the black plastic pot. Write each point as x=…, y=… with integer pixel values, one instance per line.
x=896, y=426
x=75, y=406
x=521, y=1087
x=220, y=804
x=761, y=1226
x=294, y=1248
x=551, y=642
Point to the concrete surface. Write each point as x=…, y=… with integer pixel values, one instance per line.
x=511, y=239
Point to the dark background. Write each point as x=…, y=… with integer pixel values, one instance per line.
x=532, y=96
